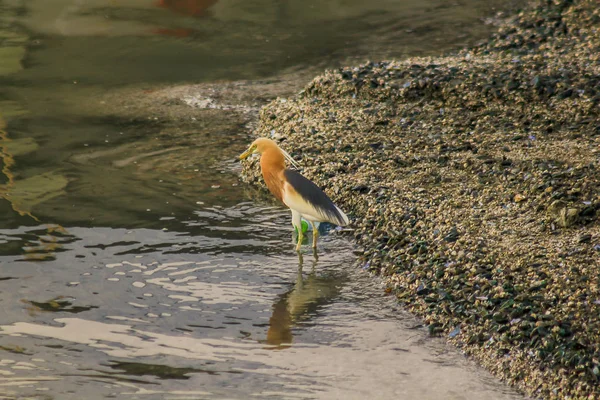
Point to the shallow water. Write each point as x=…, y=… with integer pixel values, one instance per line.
x=150, y=314
x=135, y=264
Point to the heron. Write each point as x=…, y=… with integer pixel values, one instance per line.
x=304, y=198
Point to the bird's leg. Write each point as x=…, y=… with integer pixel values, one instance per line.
x=297, y=223
x=300, y=238
x=315, y=234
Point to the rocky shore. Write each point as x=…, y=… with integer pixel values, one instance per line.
x=473, y=182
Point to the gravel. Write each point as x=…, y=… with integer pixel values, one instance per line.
x=473, y=183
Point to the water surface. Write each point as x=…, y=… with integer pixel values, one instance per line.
x=150, y=314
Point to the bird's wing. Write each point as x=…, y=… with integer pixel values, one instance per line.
x=308, y=199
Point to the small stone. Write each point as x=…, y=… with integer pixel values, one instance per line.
x=455, y=332
x=585, y=238
x=568, y=217
x=452, y=235
x=555, y=207
x=360, y=188
x=422, y=290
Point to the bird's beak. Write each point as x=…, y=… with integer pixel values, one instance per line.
x=247, y=153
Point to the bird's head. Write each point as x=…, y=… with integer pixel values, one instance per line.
x=261, y=145
x=258, y=146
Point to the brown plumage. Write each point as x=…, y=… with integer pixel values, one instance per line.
x=304, y=198
x=272, y=166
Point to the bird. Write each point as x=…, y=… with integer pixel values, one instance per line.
x=304, y=198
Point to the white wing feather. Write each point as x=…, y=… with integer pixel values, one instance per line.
x=309, y=212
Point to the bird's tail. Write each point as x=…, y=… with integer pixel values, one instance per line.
x=342, y=219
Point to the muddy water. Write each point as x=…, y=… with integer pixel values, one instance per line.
x=134, y=263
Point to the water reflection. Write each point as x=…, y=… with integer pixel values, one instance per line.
x=24, y=194
x=194, y=8
x=302, y=302
x=40, y=243
x=57, y=304
x=160, y=371
x=208, y=40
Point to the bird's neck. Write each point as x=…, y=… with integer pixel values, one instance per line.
x=272, y=165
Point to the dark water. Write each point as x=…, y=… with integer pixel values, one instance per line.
x=133, y=262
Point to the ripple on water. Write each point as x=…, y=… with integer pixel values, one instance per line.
x=158, y=313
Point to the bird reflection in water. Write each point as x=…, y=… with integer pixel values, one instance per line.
x=301, y=303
